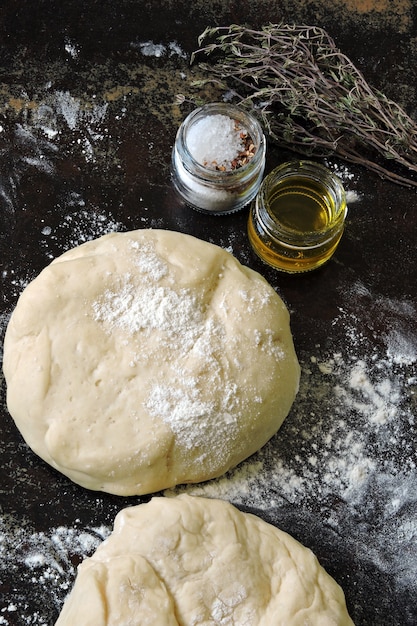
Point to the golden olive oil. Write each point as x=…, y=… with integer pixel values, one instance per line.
x=301, y=205
x=297, y=219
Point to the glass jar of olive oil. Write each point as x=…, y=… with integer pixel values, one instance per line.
x=297, y=219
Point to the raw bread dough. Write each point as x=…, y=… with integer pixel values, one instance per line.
x=147, y=359
x=192, y=561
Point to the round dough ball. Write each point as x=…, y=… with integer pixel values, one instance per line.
x=142, y=360
x=201, y=562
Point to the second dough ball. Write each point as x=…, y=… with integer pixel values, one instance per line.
x=201, y=562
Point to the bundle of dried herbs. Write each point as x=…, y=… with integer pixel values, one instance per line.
x=310, y=97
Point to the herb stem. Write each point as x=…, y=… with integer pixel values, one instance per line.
x=310, y=97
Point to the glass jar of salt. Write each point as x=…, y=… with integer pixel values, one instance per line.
x=218, y=158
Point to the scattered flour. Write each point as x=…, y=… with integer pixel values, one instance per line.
x=76, y=114
x=153, y=308
x=347, y=177
x=78, y=225
x=151, y=49
x=351, y=428
x=342, y=171
x=45, y=560
x=71, y=48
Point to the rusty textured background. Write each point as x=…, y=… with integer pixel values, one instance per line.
x=64, y=176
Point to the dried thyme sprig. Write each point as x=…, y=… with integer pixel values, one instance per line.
x=309, y=96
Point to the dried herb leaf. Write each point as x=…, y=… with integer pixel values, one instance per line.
x=310, y=97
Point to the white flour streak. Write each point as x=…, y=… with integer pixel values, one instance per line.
x=151, y=49
x=183, y=410
x=148, y=262
x=77, y=226
x=60, y=111
x=46, y=560
x=402, y=348
x=71, y=48
x=150, y=308
x=67, y=106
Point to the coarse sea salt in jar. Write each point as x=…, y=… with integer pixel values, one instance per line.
x=218, y=158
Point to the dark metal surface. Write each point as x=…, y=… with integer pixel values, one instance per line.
x=88, y=118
